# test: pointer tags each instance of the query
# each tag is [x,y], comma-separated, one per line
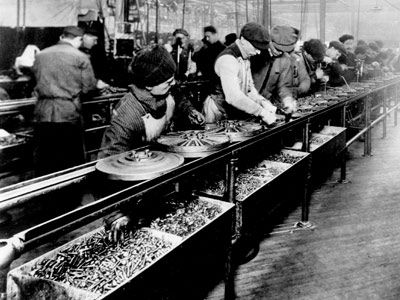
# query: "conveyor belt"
[109,201]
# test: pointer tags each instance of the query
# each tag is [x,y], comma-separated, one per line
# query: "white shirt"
[237,84]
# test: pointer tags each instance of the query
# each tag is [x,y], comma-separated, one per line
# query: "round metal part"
[138,165]
[237,130]
[193,143]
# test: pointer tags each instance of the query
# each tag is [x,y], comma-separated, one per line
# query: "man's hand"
[319,73]
[375,64]
[268,116]
[289,105]
[273,52]
[117,228]
[196,118]
[327,59]
[101,84]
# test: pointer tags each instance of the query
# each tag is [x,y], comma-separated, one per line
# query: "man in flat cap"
[96,55]
[272,69]
[234,95]
[62,74]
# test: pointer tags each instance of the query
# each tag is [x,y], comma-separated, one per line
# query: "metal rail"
[20,193]
[40,233]
[175,175]
[376,121]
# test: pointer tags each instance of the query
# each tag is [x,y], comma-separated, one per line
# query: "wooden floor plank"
[354,250]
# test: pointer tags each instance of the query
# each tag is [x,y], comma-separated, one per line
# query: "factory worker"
[234,95]
[272,73]
[333,68]
[63,74]
[96,54]
[312,55]
[146,110]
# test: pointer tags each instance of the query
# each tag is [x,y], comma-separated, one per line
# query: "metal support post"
[343,165]
[384,107]
[306,137]
[306,195]
[231,168]
[366,111]
[229,279]
[230,195]
[367,140]
[304,223]
[396,101]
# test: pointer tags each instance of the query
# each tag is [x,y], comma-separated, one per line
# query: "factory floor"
[353,252]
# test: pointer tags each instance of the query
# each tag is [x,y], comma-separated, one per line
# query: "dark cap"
[361,50]
[91,31]
[373,46]
[346,37]
[180,30]
[284,38]
[152,66]
[256,34]
[73,30]
[315,48]
[338,46]
[230,38]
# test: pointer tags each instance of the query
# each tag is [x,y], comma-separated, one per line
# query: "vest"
[217,93]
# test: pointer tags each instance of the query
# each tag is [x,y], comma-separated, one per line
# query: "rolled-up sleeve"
[227,68]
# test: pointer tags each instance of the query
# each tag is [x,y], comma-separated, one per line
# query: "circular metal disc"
[237,130]
[193,143]
[138,165]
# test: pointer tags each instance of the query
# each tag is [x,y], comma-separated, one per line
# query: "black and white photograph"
[199,149]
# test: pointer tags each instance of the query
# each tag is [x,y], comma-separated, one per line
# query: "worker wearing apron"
[145,112]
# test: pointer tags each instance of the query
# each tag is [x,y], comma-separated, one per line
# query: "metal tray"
[138,165]
[289,168]
[334,140]
[265,200]
[21,285]
[193,143]
[237,130]
[323,155]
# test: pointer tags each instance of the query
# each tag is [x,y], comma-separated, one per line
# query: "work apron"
[154,127]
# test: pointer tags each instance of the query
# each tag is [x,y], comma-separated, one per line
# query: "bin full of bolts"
[325,146]
[205,225]
[265,188]
[15,149]
[92,267]
[260,187]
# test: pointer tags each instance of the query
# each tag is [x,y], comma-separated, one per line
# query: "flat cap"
[91,31]
[338,46]
[284,38]
[73,30]
[256,34]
